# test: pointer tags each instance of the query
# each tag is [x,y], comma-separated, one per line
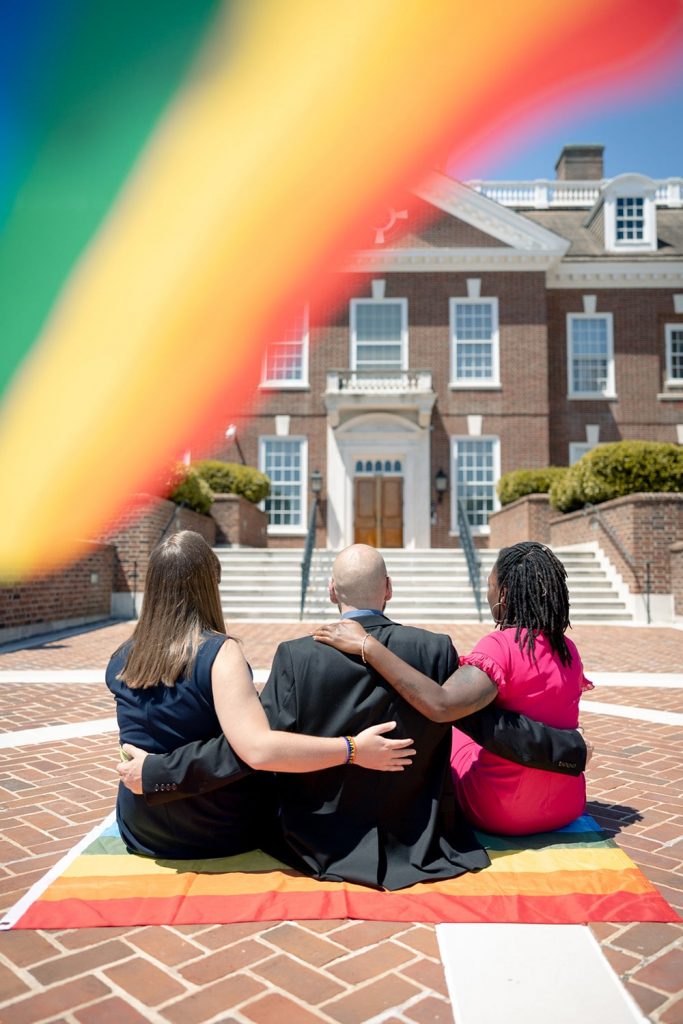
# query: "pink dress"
[497,795]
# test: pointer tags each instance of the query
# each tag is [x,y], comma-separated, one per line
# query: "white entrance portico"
[391,445]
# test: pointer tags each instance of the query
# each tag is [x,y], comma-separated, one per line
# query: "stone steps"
[429,586]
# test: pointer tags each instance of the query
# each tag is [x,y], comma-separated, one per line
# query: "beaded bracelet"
[362,648]
[352,749]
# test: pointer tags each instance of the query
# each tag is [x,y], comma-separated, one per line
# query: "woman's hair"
[534,582]
[181,601]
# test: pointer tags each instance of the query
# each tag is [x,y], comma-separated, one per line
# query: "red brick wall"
[517,412]
[639,316]
[646,525]
[528,518]
[139,530]
[64,595]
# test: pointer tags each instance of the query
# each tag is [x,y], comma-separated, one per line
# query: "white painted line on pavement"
[642,714]
[51,675]
[646,680]
[531,974]
[50,733]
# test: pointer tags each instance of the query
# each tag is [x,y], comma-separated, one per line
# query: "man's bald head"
[359,578]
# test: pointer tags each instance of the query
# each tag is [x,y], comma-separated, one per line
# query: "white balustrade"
[543,194]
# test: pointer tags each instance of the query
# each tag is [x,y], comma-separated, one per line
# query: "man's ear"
[332,593]
[389,590]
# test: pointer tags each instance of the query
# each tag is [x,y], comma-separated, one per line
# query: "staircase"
[429,585]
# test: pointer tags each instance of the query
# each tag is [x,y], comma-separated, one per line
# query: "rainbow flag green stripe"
[572,876]
[93,99]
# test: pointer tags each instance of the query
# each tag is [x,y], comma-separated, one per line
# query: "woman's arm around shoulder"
[463,693]
[246,728]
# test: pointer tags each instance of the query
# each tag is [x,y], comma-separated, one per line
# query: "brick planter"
[74,596]
[137,532]
[239,521]
[528,518]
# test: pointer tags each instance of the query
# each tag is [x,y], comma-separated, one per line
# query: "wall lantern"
[441,484]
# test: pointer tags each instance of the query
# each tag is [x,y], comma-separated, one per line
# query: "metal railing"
[592,510]
[308,555]
[471,556]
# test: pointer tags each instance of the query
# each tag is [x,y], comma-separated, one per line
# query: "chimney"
[580,163]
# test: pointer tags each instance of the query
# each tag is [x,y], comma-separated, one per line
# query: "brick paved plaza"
[337,971]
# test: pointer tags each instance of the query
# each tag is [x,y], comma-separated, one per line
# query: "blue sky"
[641,132]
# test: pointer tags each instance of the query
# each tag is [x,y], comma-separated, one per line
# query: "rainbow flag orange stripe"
[573,876]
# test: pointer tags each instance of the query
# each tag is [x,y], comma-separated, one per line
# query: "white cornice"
[601,273]
[447,260]
[488,216]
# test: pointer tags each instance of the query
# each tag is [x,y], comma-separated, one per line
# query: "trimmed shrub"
[613,470]
[520,482]
[188,487]
[232,478]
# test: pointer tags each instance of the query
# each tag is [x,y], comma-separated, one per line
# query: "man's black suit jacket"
[388,829]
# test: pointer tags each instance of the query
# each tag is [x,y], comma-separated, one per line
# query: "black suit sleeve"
[204,765]
[526,741]
[278,697]
[193,769]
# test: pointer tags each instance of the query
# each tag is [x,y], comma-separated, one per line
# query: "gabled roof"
[501,240]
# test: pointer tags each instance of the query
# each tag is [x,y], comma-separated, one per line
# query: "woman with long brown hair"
[179,679]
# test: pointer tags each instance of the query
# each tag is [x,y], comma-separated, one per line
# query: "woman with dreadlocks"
[527,664]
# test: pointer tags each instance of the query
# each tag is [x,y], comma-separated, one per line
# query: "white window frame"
[477,531]
[671,381]
[293,384]
[288,530]
[476,382]
[630,186]
[610,389]
[353,306]
[577,449]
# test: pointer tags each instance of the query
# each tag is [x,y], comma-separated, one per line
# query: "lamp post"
[316,482]
[441,484]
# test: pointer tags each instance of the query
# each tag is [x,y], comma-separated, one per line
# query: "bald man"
[383,829]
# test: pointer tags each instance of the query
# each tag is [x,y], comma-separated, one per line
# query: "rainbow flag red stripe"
[573,876]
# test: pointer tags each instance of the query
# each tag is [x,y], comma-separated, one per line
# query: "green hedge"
[189,488]
[613,470]
[519,482]
[231,478]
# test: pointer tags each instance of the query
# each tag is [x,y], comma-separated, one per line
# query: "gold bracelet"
[362,648]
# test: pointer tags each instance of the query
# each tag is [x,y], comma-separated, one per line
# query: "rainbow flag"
[180,175]
[573,876]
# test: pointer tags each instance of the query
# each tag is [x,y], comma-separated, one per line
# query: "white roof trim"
[613,273]
[447,260]
[488,216]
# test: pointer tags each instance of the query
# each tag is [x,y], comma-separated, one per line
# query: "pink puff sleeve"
[491,657]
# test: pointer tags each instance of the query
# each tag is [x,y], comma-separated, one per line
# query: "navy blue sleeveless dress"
[226,821]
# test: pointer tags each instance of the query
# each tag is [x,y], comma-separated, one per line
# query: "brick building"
[498,325]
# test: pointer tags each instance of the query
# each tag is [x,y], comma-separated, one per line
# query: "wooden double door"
[378,511]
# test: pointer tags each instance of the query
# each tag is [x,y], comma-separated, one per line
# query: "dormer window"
[630,214]
[629,219]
